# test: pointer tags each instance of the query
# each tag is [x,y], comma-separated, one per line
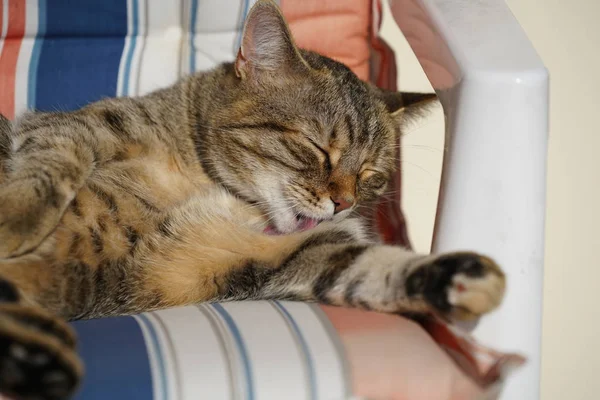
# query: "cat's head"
[298,134]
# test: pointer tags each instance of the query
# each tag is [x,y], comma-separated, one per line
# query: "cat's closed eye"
[325,153]
[373,179]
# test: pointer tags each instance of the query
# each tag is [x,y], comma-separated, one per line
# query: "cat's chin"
[302,224]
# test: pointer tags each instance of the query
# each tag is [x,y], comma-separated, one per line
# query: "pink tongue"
[270,230]
[304,225]
[307,223]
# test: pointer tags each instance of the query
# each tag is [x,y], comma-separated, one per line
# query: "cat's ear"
[267,44]
[407,106]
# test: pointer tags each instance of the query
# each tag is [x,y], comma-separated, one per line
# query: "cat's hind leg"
[37,350]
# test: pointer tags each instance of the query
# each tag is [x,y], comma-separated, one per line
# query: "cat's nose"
[342,203]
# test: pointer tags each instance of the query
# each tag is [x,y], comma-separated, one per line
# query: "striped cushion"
[280,350]
[265,350]
[62,54]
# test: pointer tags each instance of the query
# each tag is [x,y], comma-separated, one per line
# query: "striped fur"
[135,204]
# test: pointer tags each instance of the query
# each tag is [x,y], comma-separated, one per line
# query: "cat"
[237,183]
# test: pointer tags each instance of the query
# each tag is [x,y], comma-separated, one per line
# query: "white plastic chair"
[494,91]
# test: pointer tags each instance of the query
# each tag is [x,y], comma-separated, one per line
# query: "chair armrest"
[494,91]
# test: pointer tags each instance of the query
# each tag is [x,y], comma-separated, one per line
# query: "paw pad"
[34,363]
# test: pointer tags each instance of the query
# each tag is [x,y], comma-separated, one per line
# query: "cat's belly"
[120,203]
[125,202]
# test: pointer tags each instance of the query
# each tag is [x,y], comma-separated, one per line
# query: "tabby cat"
[232,184]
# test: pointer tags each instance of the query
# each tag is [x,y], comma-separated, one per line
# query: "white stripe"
[202,364]
[158,65]
[140,45]
[217,28]
[213,49]
[232,353]
[185,35]
[24,59]
[153,358]
[121,89]
[277,368]
[169,358]
[329,368]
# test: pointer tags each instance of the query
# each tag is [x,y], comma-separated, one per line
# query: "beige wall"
[567,37]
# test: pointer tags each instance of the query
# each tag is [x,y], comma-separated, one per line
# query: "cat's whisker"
[420,147]
[414,127]
[428,173]
[391,192]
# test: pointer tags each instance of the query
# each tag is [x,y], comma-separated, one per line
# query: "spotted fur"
[134,204]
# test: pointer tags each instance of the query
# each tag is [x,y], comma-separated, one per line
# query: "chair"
[494,91]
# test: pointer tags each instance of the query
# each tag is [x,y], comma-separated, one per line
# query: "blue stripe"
[158,351]
[116,360]
[244,15]
[35,55]
[337,345]
[78,59]
[194,16]
[239,341]
[132,42]
[312,377]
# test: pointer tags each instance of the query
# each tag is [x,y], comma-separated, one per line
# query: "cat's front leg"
[333,263]
[330,268]
[45,167]
[460,286]
[47,158]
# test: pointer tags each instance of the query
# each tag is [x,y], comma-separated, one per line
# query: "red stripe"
[10,55]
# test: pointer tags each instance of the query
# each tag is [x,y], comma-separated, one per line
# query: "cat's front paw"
[37,358]
[460,286]
[26,218]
